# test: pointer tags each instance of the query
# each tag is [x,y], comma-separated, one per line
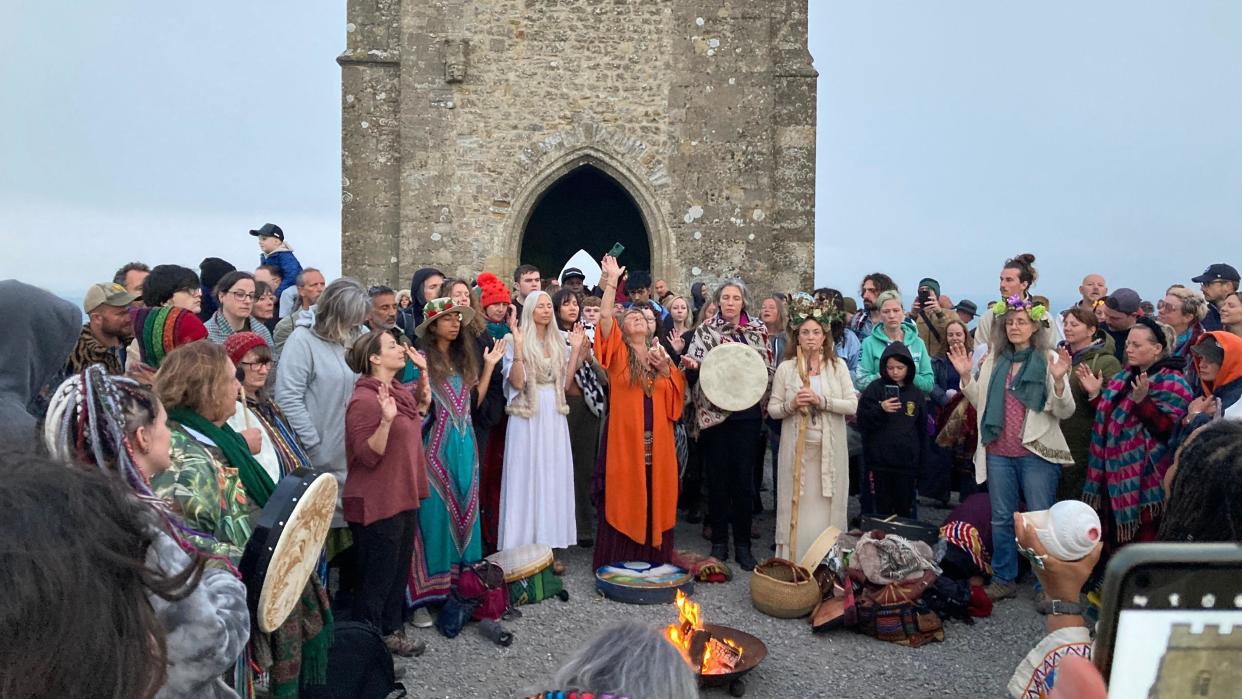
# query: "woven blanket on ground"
[703,568]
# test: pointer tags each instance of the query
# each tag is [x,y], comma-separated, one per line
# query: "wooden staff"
[804,372]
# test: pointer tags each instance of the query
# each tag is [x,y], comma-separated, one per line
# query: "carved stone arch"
[526,196]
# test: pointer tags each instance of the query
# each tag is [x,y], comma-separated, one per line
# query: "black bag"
[359,665]
[911,529]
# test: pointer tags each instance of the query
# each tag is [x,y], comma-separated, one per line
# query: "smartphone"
[891,391]
[1170,619]
[616,250]
[925,295]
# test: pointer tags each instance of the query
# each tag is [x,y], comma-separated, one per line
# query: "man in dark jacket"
[893,420]
[39,332]
[1217,282]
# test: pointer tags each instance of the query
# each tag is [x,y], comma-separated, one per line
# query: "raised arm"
[610,275]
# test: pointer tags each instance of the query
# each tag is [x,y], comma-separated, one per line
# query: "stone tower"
[480,133]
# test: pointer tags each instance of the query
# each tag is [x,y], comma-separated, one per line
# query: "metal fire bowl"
[753,653]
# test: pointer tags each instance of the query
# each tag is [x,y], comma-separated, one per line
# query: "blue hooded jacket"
[290,268]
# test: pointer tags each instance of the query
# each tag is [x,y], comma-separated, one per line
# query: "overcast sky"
[1101,136]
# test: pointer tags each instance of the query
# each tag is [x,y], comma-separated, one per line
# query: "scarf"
[258,484]
[497,330]
[299,648]
[285,442]
[1126,461]
[717,331]
[1030,387]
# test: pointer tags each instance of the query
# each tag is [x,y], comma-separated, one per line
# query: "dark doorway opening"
[584,210]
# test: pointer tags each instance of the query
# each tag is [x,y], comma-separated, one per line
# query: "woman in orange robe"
[638,477]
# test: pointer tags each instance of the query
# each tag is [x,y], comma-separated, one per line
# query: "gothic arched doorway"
[584,210]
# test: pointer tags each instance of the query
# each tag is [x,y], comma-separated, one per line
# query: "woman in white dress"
[812,394]
[537,488]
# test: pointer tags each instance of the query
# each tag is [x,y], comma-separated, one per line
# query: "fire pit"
[719,655]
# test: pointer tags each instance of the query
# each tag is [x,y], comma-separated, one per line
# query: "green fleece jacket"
[873,347]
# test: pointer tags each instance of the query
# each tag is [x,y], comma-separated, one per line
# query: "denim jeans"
[1030,478]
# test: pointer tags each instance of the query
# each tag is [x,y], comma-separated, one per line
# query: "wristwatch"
[1060,608]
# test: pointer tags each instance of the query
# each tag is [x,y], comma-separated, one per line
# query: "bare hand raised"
[492,356]
[1060,368]
[388,404]
[961,359]
[1091,383]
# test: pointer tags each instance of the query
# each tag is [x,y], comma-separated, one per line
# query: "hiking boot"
[720,552]
[745,559]
[999,590]
[400,644]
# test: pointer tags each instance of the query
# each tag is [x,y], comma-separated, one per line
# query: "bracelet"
[1060,608]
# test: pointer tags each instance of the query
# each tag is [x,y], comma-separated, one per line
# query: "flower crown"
[804,307]
[1035,311]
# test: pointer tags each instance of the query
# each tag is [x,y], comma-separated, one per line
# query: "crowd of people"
[467,416]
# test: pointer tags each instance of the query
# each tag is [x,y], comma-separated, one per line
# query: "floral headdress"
[804,307]
[1035,311]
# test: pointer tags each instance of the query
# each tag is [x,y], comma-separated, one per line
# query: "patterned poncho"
[717,331]
[1127,461]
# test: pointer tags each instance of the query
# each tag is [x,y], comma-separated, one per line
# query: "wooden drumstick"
[241,393]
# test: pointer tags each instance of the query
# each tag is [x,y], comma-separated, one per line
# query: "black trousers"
[728,465]
[894,493]
[385,548]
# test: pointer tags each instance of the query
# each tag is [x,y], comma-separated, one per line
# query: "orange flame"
[689,620]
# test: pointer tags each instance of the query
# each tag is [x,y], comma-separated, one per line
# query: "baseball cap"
[967,306]
[572,272]
[1218,271]
[270,230]
[107,293]
[1124,300]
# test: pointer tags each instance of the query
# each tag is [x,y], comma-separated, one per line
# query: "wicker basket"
[788,590]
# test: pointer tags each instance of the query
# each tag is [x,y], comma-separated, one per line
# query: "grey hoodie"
[313,388]
[205,632]
[37,333]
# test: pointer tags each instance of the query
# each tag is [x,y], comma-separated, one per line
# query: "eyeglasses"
[261,364]
[242,296]
[191,290]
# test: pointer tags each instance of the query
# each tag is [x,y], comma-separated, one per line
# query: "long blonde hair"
[534,350]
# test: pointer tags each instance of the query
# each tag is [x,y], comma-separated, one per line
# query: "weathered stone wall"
[457,114]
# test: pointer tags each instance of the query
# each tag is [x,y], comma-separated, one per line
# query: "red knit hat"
[492,290]
[238,344]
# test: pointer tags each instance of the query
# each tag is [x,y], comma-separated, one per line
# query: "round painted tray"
[637,582]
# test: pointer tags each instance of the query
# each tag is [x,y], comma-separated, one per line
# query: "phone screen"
[1179,632]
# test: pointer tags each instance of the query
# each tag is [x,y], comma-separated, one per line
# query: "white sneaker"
[422,619]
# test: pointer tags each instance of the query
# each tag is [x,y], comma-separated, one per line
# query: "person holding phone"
[1203,507]
[1020,397]
[893,420]
[932,319]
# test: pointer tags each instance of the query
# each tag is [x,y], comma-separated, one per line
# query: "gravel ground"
[973,661]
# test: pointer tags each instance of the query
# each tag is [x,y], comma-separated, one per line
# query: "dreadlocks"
[1204,497]
[89,422]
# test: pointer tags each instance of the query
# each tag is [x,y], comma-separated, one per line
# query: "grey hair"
[629,660]
[341,309]
[300,280]
[1043,339]
[737,283]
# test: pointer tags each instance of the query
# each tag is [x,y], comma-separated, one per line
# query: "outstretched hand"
[960,358]
[610,269]
[416,358]
[1091,383]
[388,404]
[493,356]
[1060,368]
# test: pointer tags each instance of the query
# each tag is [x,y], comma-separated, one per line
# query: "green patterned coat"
[206,494]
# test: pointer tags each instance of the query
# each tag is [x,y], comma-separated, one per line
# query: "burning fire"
[714,655]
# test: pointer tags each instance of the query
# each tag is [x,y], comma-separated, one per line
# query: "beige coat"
[837,400]
[1042,431]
